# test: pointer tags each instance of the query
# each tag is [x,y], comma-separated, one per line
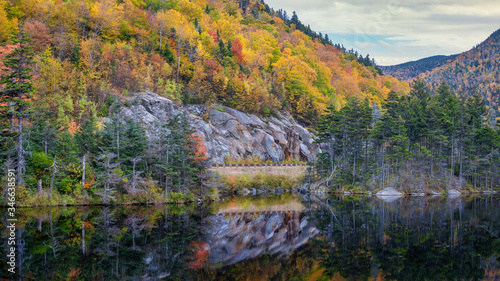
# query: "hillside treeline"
[238,53]
[416,143]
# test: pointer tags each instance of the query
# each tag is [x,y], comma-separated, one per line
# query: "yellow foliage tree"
[7,27]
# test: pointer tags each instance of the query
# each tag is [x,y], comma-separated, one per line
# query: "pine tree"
[112,137]
[416,108]
[326,138]
[295,19]
[419,138]
[176,154]
[86,140]
[133,145]
[44,134]
[15,99]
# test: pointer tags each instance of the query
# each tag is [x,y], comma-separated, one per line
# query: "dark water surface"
[262,238]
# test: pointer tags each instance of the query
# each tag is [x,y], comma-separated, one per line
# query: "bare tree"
[109,177]
[138,183]
[55,170]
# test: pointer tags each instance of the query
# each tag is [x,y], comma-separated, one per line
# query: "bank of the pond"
[256,183]
[26,198]
[389,191]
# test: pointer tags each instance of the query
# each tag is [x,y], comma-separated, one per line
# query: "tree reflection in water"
[418,239]
[267,239]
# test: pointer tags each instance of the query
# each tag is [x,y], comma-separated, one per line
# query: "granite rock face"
[228,131]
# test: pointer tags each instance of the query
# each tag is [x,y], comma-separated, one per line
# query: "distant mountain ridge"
[474,71]
[410,70]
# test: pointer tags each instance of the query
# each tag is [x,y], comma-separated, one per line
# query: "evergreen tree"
[295,19]
[416,111]
[175,163]
[134,145]
[44,134]
[86,141]
[344,135]
[418,140]
[112,137]
[15,99]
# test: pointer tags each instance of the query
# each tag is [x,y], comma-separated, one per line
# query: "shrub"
[266,111]
[67,184]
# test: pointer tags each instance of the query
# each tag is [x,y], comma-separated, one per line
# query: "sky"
[398,31]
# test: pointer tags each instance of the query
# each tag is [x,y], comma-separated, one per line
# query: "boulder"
[245,119]
[453,193]
[389,195]
[304,151]
[389,192]
[304,135]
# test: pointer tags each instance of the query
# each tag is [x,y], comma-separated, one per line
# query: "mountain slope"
[410,70]
[241,54]
[474,71]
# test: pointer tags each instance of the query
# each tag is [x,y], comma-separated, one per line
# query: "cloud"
[408,29]
[366,45]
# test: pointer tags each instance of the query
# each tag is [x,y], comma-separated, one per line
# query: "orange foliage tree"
[199,256]
[198,147]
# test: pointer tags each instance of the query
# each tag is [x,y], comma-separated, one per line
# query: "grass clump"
[259,181]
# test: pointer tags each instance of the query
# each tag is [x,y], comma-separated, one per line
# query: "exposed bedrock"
[228,132]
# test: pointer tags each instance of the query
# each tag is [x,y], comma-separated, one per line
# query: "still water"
[287,237]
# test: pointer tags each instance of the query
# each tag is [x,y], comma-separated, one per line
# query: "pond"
[287,237]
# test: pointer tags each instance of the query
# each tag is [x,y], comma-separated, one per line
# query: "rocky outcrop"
[244,237]
[389,192]
[228,132]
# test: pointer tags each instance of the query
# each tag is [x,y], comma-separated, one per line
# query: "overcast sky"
[397,31]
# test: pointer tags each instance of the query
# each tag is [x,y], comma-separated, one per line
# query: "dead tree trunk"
[83,172]
[54,171]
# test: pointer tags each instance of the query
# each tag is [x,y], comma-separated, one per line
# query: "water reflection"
[266,238]
[420,239]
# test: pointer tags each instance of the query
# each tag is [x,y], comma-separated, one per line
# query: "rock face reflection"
[239,237]
[262,238]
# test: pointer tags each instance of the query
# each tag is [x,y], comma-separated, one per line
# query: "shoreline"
[107,205]
[338,193]
[423,194]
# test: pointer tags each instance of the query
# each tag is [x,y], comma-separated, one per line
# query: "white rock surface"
[228,131]
[389,192]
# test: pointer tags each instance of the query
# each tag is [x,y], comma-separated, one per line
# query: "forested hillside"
[237,53]
[409,70]
[422,143]
[69,67]
[474,71]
